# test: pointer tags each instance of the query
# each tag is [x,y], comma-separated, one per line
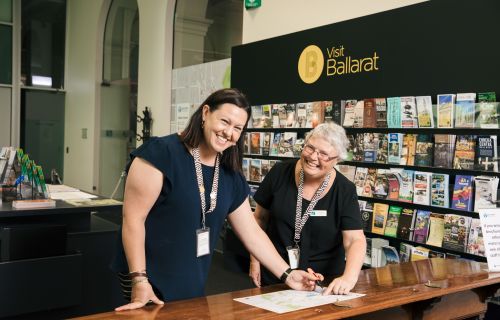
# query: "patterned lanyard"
[201,186]
[300,222]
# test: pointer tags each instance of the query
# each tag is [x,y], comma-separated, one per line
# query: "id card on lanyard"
[203,234]
[300,220]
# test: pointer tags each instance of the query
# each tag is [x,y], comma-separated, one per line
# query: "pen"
[318,282]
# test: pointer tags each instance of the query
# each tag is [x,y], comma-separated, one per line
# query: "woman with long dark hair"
[180,188]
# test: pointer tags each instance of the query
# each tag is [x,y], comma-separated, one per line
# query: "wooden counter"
[392,292]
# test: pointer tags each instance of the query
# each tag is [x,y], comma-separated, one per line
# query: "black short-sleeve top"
[321,238]
[171,224]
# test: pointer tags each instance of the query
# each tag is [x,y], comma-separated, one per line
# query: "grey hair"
[334,134]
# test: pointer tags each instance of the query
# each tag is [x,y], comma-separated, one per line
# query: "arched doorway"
[118,99]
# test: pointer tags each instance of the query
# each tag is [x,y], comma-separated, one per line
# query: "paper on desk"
[71,195]
[60,188]
[292,300]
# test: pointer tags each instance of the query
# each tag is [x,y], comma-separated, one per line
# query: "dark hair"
[193,134]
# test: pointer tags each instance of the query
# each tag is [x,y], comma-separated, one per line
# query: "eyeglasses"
[323,156]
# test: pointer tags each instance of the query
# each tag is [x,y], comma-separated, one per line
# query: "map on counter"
[292,300]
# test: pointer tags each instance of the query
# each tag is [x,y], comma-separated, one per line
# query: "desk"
[66,285]
[392,292]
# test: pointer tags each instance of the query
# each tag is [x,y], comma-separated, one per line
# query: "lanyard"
[201,186]
[301,221]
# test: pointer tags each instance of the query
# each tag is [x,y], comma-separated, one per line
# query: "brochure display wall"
[419,58]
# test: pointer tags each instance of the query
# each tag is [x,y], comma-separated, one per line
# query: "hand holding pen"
[319,280]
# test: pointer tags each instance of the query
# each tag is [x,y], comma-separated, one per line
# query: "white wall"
[279,17]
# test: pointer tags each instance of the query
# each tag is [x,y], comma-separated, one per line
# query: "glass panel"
[42,44]
[119,95]
[5,116]
[205,30]
[121,41]
[6,54]
[6,10]
[42,128]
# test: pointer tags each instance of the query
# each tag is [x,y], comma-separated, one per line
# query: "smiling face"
[223,126]
[314,166]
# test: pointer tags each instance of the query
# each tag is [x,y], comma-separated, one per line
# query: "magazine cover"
[444,149]
[485,192]
[391,225]
[381,188]
[424,150]
[391,255]
[465,110]
[406,192]
[394,180]
[488,110]
[464,152]
[445,106]
[291,116]
[395,148]
[255,165]
[359,110]
[267,121]
[369,114]
[405,225]
[369,186]
[486,153]
[408,149]
[475,242]
[359,179]
[456,230]
[408,113]
[366,209]
[422,187]
[440,190]
[317,114]
[421,226]
[301,114]
[382,150]
[462,193]
[349,113]
[436,230]
[370,146]
[257,117]
[381,108]
[424,112]
[394,112]
[380,211]
[337,110]
[245,167]
[255,143]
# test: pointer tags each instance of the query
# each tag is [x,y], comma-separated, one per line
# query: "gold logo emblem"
[311,63]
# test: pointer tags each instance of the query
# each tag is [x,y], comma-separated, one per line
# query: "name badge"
[202,242]
[318,213]
[293,256]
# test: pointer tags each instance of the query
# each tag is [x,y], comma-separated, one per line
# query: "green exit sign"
[251,4]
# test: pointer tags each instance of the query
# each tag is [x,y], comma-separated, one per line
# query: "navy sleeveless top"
[171,225]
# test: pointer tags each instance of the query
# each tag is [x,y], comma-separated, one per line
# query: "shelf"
[457,131]
[418,244]
[432,209]
[425,169]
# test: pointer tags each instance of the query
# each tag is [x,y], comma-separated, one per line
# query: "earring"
[202,124]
